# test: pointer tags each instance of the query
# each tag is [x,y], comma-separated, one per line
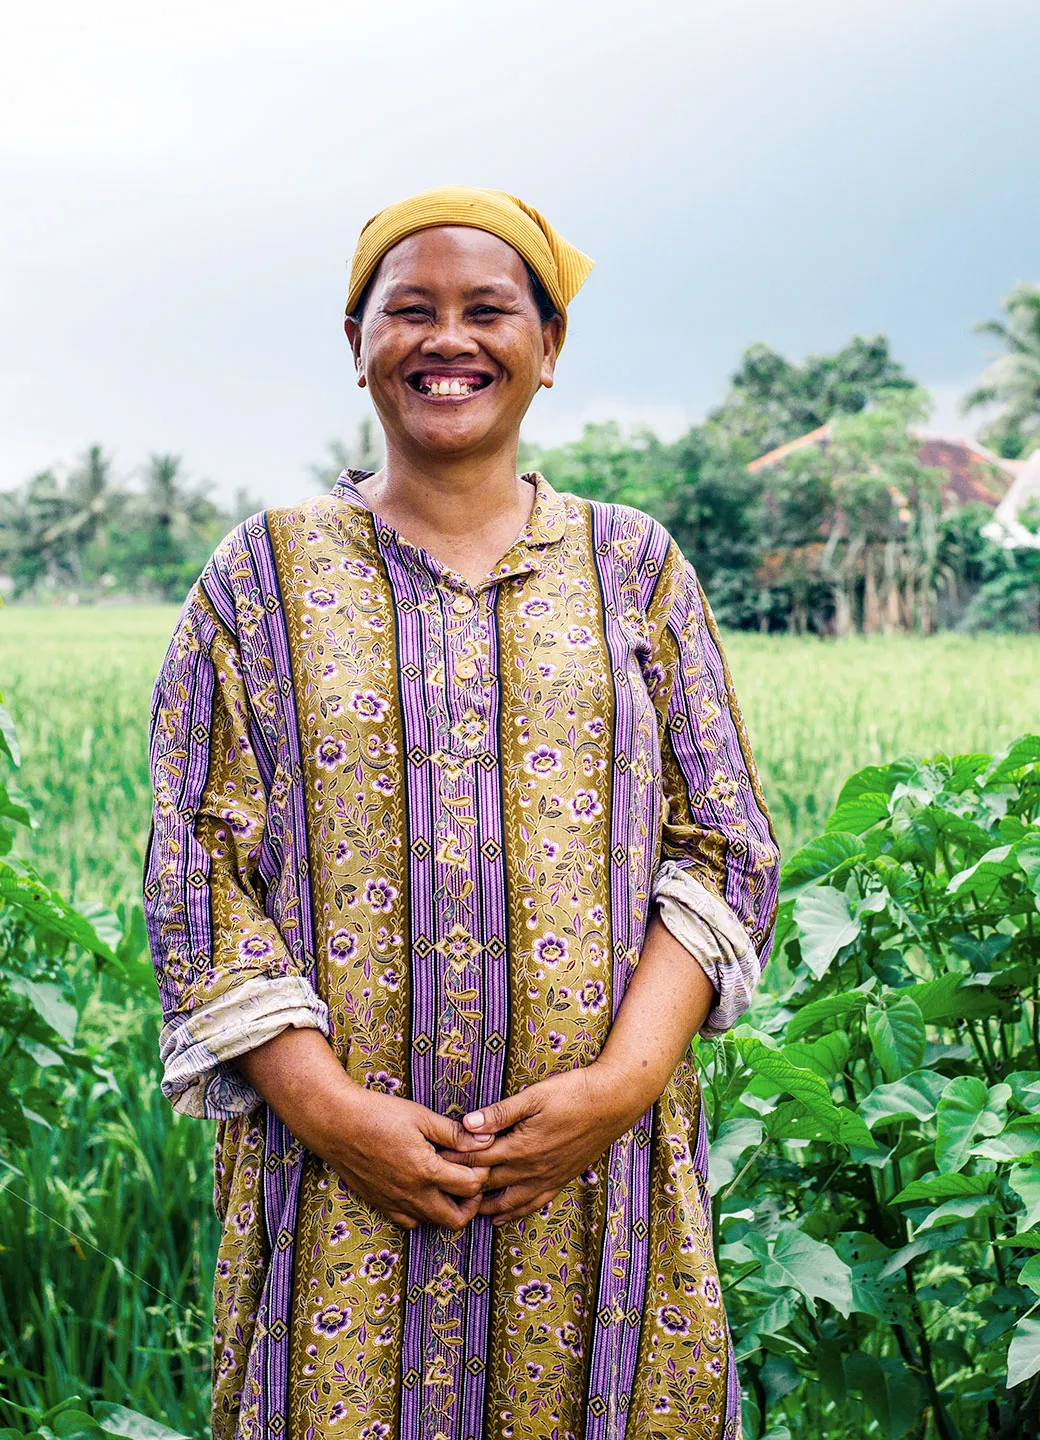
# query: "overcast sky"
[182,184]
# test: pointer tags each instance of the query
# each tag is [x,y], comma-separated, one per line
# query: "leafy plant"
[43,1057]
[875,1126]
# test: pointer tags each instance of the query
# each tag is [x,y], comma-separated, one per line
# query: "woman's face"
[451,345]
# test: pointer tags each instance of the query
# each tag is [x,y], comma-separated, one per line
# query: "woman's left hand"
[554,1130]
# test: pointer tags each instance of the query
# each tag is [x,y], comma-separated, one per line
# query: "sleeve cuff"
[706,926]
[196,1048]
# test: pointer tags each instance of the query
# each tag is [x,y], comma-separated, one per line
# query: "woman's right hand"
[385,1148]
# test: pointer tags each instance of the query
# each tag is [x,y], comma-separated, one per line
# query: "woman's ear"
[552,334]
[352,330]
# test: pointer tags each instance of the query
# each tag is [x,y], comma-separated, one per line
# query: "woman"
[457,843]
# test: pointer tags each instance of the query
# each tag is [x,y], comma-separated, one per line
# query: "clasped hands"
[505,1161]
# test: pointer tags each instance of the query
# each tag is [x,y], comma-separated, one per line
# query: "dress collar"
[546,523]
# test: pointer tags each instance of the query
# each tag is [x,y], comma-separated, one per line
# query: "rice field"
[106,1234]
[78,684]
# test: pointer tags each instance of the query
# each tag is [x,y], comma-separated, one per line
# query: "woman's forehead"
[451,254]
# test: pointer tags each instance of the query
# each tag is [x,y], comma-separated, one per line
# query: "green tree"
[607,464]
[716,516]
[366,453]
[772,400]
[1012,381]
[46,526]
[860,514]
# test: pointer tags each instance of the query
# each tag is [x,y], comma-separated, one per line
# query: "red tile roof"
[974,474]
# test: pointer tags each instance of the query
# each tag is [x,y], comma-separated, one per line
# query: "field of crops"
[122,1189]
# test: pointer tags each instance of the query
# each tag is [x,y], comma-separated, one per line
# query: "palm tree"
[172,509]
[88,501]
[366,453]
[1012,381]
[46,525]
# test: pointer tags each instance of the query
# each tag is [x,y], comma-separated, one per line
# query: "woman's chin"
[455,436]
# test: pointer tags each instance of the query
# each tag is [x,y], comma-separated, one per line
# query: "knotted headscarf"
[560,267]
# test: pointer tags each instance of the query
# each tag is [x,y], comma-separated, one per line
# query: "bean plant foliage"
[43,940]
[875,1126]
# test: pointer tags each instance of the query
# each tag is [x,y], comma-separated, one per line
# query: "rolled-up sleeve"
[718,873]
[227,980]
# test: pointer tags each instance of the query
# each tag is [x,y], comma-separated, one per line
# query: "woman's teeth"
[446,387]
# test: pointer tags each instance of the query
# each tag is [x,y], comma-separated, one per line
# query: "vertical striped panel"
[248,572]
[622,570]
[448,1290]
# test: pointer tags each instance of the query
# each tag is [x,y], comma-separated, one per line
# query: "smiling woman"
[457,842]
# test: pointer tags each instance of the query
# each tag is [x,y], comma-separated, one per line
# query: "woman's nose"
[449,338]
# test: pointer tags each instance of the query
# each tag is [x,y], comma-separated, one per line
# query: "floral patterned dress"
[429,818]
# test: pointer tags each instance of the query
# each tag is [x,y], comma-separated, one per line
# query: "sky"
[183,184]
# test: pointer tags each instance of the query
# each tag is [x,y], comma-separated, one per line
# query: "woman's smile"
[447,386]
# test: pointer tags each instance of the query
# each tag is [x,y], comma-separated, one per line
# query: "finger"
[472,1159]
[503,1113]
[441,1130]
[522,1204]
[466,1144]
[441,1209]
[502,1202]
[455,1179]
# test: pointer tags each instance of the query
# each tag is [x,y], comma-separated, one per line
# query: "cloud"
[184,183]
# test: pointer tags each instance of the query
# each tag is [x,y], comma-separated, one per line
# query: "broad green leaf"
[943,1187]
[951,1212]
[105,923]
[819,860]
[784,927]
[13,807]
[76,1425]
[46,908]
[825,1013]
[1030,1241]
[959,1118]
[1028,857]
[117,1420]
[827,1055]
[872,780]
[798,1261]
[9,737]
[866,1256]
[1020,1138]
[49,1002]
[859,813]
[935,998]
[914,1097]
[1029,1275]
[919,1245]
[1025,1181]
[735,1137]
[1023,752]
[803,1085]
[983,878]
[830,1370]
[1024,1351]
[965,769]
[825,926]
[897,1035]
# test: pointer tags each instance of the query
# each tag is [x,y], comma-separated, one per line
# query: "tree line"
[850,535]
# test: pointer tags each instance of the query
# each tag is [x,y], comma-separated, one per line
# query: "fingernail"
[484,1137]
[475,1121]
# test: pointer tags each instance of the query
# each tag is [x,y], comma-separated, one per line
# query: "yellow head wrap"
[560,267]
